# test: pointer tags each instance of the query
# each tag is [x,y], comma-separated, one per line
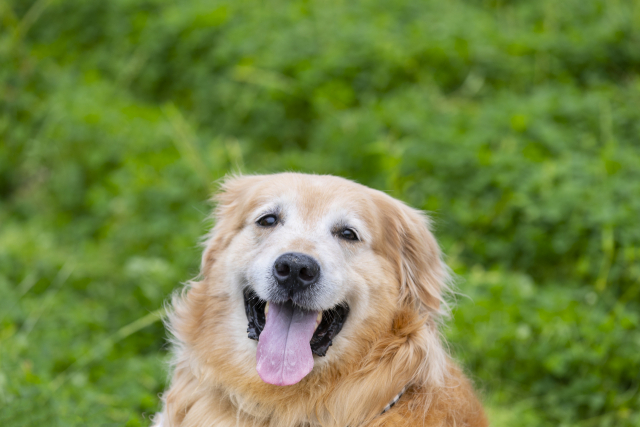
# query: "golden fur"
[395,284]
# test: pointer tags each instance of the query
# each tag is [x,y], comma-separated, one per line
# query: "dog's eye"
[348,234]
[268,220]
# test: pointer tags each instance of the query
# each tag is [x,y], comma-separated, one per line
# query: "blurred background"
[516,124]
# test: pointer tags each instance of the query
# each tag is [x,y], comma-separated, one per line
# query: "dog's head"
[331,262]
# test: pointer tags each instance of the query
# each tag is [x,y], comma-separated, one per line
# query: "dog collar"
[394,400]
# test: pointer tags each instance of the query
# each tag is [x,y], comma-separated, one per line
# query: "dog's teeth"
[266,308]
[318,319]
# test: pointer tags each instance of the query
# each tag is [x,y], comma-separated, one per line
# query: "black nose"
[295,271]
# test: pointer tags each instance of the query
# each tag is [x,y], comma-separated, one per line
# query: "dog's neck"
[158,419]
[254,412]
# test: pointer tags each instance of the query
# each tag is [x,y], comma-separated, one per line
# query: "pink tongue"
[284,353]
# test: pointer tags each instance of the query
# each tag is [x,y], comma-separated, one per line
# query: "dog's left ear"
[423,275]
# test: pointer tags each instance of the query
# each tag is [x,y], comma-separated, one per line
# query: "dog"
[318,304]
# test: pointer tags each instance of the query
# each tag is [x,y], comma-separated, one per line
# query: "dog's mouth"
[288,335]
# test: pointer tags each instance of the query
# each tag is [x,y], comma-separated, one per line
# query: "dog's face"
[308,262]
[303,245]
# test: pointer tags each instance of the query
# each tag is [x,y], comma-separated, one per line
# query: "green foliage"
[564,353]
[515,123]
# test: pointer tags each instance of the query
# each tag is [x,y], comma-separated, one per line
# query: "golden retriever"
[318,304]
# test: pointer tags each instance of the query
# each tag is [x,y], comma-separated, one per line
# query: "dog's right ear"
[230,201]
